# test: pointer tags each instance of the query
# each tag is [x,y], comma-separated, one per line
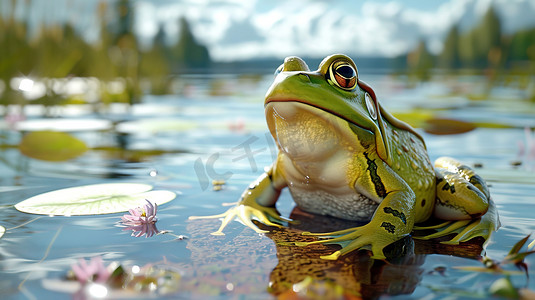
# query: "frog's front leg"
[392,220]
[257,201]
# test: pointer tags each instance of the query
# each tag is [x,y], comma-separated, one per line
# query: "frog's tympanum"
[341,154]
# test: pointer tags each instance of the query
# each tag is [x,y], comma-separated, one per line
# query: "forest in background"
[484,47]
[59,51]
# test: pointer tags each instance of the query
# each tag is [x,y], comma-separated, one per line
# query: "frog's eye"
[370,105]
[343,75]
[279,69]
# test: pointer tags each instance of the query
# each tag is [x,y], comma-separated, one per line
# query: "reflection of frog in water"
[356,273]
[341,154]
[250,263]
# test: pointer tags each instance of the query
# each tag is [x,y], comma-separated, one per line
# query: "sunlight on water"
[208,149]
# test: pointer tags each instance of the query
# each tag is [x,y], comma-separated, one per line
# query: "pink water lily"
[94,271]
[141,220]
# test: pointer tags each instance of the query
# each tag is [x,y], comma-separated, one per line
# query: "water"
[206,134]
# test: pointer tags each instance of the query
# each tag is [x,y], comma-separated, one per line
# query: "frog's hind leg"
[465,230]
[464,201]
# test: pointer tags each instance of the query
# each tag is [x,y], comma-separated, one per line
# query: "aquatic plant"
[503,287]
[93,280]
[94,199]
[141,220]
[94,271]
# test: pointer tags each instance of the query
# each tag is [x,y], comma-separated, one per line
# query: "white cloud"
[236,30]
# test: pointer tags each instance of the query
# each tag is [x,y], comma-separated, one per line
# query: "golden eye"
[343,75]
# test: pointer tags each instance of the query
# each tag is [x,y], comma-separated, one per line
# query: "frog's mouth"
[276,101]
[304,131]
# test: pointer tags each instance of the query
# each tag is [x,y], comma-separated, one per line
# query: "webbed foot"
[249,207]
[465,229]
[353,239]
[246,213]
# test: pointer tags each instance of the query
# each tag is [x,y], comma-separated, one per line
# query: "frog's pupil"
[345,71]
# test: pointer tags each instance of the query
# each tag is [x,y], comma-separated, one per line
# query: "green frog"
[341,154]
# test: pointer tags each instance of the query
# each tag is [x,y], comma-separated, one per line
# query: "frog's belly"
[349,206]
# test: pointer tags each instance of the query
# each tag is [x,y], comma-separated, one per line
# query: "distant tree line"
[58,51]
[482,47]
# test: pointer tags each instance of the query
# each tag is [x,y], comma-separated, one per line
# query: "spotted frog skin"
[341,154]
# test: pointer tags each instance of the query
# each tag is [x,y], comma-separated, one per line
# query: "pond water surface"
[216,130]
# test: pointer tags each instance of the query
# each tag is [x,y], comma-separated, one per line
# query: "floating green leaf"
[51,146]
[442,126]
[93,199]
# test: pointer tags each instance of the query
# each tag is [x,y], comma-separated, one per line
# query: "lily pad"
[51,146]
[442,126]
[93,199]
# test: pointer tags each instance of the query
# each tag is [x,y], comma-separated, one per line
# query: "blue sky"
[244,29]
[235,30]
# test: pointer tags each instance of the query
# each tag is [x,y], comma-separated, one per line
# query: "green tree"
[520,45]
[467,49]
[125,50]
[188,52]
[449,57]
[154,65]
[97,57]
[482,46]
[16,56]
[489,38]
[420,61]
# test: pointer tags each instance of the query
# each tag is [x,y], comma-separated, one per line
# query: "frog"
[341,154]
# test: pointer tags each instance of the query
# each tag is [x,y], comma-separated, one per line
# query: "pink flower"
[95,271]
[142,220]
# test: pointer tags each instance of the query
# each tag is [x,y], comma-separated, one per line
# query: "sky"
[240,30]
[246,29]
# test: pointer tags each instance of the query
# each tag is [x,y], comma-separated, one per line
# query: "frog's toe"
[274,214]
[333,233]
[351,239]
[478,228]
[464,230]
[361,242]
[376,254]
[244,214]
[446,229]
[333,256]
[437,226]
